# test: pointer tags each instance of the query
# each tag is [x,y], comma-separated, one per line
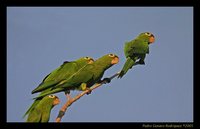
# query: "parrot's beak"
[56,101]
[151,39]
[115,60]
[91,61]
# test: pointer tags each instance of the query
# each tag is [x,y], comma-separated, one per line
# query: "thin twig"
[72,100]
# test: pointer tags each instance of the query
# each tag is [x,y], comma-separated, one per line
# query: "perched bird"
[63,72]
[136,50]
[87,76]
[42,111]
[57,76]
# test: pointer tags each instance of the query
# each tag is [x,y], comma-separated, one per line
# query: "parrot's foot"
[121,74]
[69,98]
[67,92]
[89,91]
[141,62]
[106,80]
[83,86]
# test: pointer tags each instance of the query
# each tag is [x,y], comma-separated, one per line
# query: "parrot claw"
[68,97]
[106,80]
[67,92]
[141,62]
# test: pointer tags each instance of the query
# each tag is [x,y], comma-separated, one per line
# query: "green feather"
[135,50]
[45,85]
[32,106]
[128,64]
[57,77]
[53,91]
[89,75]
[41,112]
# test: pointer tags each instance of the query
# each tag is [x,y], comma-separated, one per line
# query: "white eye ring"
[147,33]
[111,55]
[87,58]
[51,96]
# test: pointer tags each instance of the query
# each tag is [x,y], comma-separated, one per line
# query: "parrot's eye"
[87,58]
[111,55]
[51,96]
[147,33]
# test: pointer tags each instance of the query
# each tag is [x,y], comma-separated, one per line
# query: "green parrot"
[136,50]
[41,112]
[87,76]
[57,76]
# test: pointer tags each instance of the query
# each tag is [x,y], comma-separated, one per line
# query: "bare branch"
[72,100]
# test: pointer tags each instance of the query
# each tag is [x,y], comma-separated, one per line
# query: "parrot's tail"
[32,106]
[49,92]
[44,86]
[59,88]
[128,65]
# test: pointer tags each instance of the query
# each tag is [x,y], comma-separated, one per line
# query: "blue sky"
[39,39]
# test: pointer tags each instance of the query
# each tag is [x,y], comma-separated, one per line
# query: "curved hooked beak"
[90,61]
[115,60]
[56,101]
[151,39]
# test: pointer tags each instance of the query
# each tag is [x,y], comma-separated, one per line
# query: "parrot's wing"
[136,47]
[81,76]
[32,107]
[45,116]
[45,85]
[34,116]
[84,74]
[53,91]
[57,76]
[140,47]
[53,74]
[58,88]
[127,49]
